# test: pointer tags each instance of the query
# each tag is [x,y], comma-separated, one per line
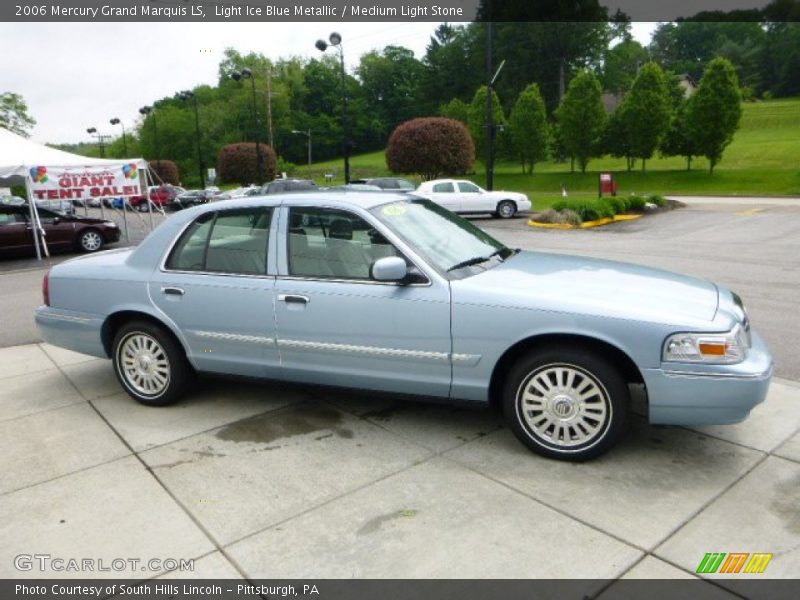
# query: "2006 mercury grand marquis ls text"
[394,293]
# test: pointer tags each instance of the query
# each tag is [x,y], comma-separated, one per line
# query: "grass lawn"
[762,160]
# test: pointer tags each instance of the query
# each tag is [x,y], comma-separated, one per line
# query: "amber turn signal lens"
[708,349]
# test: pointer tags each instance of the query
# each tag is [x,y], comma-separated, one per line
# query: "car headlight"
[110,224]
[711,348]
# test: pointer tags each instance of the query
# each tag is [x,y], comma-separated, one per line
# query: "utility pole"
[269,106]
[489,111]
[490,126]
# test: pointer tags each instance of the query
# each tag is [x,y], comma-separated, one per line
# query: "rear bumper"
[75,331]
[706,395]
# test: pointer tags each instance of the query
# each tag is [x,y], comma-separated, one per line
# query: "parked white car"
[461,196]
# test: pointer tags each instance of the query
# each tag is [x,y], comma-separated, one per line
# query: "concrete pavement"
[265,481]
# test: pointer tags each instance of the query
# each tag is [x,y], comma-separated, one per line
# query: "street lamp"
[335,40]
[148,110]
[100,140]
[116,121]
[187,95]
[308,135]
[248,74]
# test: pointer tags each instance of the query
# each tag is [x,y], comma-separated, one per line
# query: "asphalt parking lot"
[265,481]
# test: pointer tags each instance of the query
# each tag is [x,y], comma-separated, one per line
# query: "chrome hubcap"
[91,240]
[506,210]
[144,364]
[564,405]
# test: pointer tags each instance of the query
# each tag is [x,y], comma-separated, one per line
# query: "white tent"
[19,155]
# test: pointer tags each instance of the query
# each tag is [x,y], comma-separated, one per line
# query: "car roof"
[345,199]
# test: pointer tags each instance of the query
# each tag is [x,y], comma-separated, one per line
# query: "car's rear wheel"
[506,209]
[569,403]
[150,364]
[90,240]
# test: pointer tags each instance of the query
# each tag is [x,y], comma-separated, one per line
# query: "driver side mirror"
[389,268]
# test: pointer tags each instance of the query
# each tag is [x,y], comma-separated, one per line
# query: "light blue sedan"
[394,293]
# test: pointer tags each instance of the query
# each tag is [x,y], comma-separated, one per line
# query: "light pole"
[148,110]
[308,135]
[248,74]
[187,95]
[335,40]
[116,121]
[100,140]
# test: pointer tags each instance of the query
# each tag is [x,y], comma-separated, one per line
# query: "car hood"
[583,285]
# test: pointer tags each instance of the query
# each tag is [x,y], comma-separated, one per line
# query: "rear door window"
[233,242]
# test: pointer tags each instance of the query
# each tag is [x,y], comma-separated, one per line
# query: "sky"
[79,75]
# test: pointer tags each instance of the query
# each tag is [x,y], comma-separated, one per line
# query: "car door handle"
[172,291]
[293,299]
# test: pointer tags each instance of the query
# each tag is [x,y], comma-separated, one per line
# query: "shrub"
[619,203]
[238,163]
[285,166]
[636,202]
[565,216]
[166,171]
[605,209]
[657,200]
[588,210]
[430,147]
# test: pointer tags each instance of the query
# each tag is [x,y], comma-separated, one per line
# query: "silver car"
[394,293]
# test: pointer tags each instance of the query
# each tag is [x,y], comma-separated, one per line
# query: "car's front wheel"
[569,403]
[91,240]
[149,364]
[506,209]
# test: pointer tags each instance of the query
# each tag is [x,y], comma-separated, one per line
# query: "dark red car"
[160,196]
[62,232]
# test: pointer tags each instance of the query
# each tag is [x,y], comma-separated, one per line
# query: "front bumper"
[683,394]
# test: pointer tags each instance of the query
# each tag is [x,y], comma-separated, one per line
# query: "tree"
[430,147]
[166,171]
[621,64]
[455,109]
[617,139]
[452,50]
[677,141]
[238,163]
[529,130]
[644,115]
[714,111]
[582,118]
[476,119]
[390,84]
[14,114]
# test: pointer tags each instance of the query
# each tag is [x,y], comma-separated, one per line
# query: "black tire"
[142,207]
[90,240]
[580,418]
[506,209]
[149,364]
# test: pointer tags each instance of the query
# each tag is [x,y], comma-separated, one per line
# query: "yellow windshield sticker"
[394,210]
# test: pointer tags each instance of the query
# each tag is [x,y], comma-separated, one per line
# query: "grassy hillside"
[762,160]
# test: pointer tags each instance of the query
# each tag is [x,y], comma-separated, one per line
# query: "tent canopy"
[18,155]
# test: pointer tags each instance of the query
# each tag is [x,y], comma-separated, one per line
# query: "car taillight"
[46,289]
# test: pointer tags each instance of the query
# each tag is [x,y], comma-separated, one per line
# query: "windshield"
[446,240]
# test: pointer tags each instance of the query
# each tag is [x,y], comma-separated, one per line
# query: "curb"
[586,224]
